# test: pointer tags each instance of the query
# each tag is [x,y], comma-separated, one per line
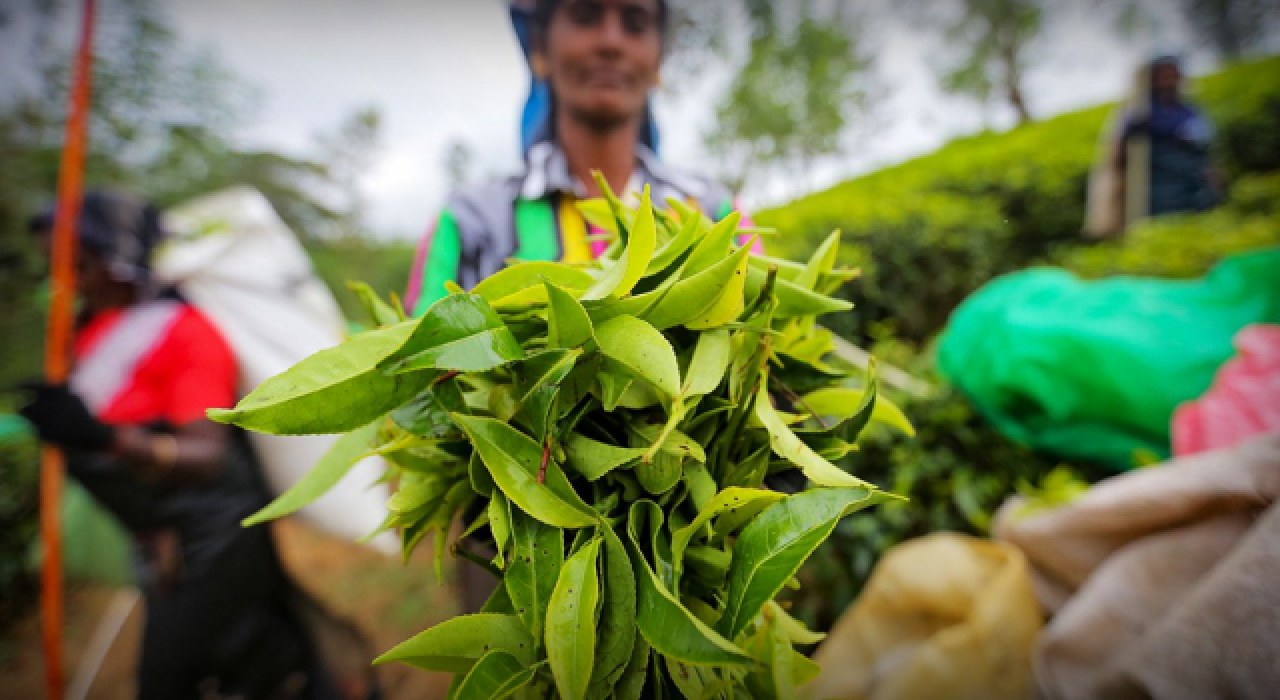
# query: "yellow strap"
[573,233]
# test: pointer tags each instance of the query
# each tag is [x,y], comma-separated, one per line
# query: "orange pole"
[57,361]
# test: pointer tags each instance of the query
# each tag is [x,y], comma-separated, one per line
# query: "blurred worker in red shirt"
[132,423]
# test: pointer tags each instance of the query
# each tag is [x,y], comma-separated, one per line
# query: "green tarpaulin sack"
[1093,370]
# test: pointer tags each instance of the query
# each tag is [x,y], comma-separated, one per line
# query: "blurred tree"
[1232,27]
[348,152]
[459,161]
[806,76]
[990,41]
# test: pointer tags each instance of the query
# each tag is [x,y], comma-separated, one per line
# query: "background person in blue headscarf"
[1177,138]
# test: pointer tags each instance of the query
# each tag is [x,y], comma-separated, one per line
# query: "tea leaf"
[537,554]
[594,459]
[458,333]
[380,312]
[667,625]
[327,472]
[710,362]
[771,549]
[619,280]
[302,400]
[786,445]
[693,298]
[674,248]
[642,351]
[631,685]
[729,500]
[820,263]
[571,634]
[731,302]
[514,461]
[617,634]
[529,275]
[660,474]
[495,676]
[456,645]
[500,525]
[842,403]
[568,325]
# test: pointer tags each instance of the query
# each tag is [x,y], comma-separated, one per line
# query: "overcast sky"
[441,70]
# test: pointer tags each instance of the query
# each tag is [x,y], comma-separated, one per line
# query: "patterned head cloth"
[121,228]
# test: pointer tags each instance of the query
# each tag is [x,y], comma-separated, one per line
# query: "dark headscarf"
[121,228]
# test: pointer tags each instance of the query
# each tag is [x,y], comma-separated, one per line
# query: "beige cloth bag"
[1165,581]
[943,616]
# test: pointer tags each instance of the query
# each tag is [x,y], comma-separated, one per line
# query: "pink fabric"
[600,245]
[1244,400]
[414,289]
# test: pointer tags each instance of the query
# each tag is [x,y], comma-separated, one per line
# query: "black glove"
[60,417]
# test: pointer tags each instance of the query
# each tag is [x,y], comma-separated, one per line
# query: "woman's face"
[602,58]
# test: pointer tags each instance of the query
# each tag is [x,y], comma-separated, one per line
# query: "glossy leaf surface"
[571,617]
[455,645]
[326,474]
[301,401]
[495,676]
[514,461]
[773,546]
[642,351]
[667,625]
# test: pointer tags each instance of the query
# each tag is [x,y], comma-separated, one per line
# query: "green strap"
[442,263]
[537,235]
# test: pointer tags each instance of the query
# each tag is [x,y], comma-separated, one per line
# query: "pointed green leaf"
[841,404]
[514,460]
[730,500]
[427,415]
[455,645]
[667,625]
[324,475]
[537,553]
[709,364]
[820,263]
[674,442]
[631,685]
[731,302]
[715,246]
[793,629]
[500,525]
[333,391]
[526,275]
[461,332]
[786,445]
[568,325]
[660,474]
[571,622]
[674,248]
[617,634]
[380,312]
[641,350]
[771,549]
[594,459]
[691,299]
[495,676]
[619,280]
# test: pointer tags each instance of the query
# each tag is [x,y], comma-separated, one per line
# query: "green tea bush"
[934,229]
[19,470]
[1186,246]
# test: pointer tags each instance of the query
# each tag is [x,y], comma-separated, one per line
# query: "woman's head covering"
[536,124]
[121,228]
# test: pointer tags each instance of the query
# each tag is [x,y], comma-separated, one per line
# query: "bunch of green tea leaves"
[608,431]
